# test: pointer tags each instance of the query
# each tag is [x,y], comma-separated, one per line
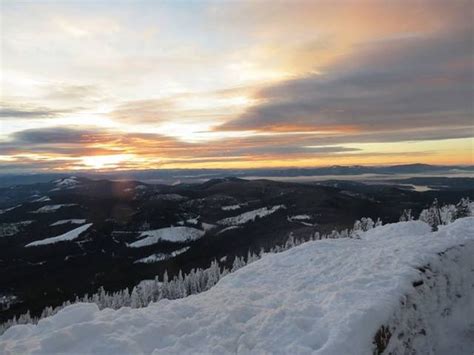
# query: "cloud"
[248,81]
[73,92]
[210,106]
[60,148]
[399,84]
[26,111]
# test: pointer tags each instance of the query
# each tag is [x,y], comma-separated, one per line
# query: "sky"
[112,85]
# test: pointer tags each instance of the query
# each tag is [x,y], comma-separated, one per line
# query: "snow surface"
[71,235]
[53,208]
[170,234]
[323,297]
[64,221]
[162,256]
[249,216]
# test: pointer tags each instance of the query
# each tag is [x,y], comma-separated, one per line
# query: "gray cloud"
[405,83]
[26,111]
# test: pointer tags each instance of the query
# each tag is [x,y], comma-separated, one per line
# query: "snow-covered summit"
[67,182]
[322,297]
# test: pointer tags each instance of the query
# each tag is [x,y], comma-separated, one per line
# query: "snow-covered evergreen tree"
[463,208]
[432,215]
[406,216]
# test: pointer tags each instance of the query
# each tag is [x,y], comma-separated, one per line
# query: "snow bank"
[395,230]
[324,297]
[249,216]
[71,235]
[170,234]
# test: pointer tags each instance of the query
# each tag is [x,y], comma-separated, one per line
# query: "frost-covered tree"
[463,208]
[367,223]
[406,216]
[432,215]
[447,214]
[378,223]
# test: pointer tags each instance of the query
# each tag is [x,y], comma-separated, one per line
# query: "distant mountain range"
[174,176]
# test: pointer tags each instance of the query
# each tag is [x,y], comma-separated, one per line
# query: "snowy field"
[65,221]
[68,236]
[162,256]
[249,216]
[323,297]
[53,208]
[169,234]
[66,183]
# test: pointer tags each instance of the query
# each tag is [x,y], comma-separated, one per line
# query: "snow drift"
[344,296]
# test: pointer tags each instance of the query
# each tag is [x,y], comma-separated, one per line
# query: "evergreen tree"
[463,208]
[406,216]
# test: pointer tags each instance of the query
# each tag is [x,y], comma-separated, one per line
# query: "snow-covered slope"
[249,216]
[170,234]
[65,221]
[322,297]
[53,208]
[162,256]
[71,235]
[67,183]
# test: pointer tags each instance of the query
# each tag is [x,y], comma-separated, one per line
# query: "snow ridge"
[323,297]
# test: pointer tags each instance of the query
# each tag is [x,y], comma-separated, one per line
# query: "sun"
[101,162]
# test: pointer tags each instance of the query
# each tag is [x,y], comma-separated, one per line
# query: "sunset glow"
[150,85]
